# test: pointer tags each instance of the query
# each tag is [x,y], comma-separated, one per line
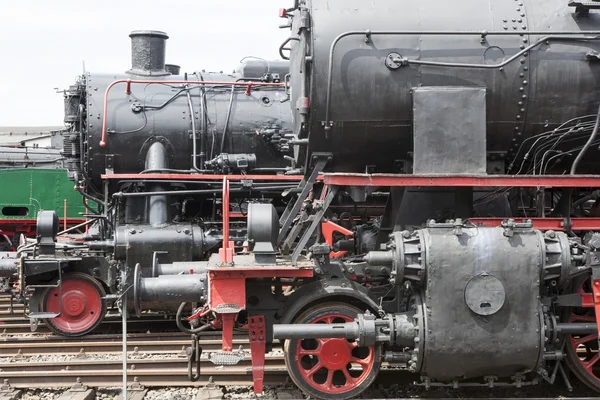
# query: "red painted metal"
[226,252]
[129,82]
[204,177]
[557,224]
[596,295]
[589,342]
[228,325]
[328,228]
[227,285]
[81,305]
[333,355]
[398,180]
[257,334]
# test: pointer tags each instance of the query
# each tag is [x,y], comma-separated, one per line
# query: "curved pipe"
[129,82]
[569,35]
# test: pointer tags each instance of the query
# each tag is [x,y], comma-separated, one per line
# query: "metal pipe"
[192,118]
[157,203]
[199,191]
[227,119]
[8,267]
[124,344]
[581,328]
[587,144]
[368,34]
[349,330]
[129,82]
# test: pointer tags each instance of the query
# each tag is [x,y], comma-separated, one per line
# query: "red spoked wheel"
[83,305]
[331,368]
[582,350]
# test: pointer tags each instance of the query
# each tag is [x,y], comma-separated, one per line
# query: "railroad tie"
[10,394]
[88,394]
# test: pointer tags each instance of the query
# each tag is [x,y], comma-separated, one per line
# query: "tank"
[357,65]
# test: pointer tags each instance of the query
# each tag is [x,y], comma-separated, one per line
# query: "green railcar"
[26,191]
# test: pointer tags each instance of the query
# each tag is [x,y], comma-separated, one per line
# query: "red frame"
[398,180]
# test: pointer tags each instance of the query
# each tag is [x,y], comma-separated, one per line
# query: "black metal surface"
[148,49]
[370,104]
[454,140]
[263,228]
[511,337]
[47,229]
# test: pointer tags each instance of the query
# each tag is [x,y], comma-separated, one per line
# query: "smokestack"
[148,50]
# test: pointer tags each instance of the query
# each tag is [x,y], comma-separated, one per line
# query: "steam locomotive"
[477,122]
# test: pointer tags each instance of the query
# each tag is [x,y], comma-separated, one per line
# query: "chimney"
[148,50]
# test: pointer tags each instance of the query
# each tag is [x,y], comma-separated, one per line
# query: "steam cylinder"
[371,110]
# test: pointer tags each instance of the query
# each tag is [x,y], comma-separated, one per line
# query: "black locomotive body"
[476,122]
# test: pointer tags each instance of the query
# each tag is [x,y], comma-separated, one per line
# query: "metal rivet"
[521,75]
[522,14]
[521,89]
[524,96]
[524,27]
[525,82]
[516,128]
[519,20]
[518,117]
[514,20]
[519,133]
[504,20]
[522,47]
[505,27]
[514,27]
[520,103]
[518,8]
[522,61]
[525,68]
[525,40]
[522,110]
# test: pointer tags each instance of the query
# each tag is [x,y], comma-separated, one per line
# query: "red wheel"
[83,307]
[582,350]
[331,368]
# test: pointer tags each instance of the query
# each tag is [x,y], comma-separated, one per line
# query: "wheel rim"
[81,305]
[585,348]
[333,366]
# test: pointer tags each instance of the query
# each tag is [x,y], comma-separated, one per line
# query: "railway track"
[156,358]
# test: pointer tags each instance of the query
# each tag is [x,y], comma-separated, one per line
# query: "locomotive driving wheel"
[83,305]
[583,356]
[331,369]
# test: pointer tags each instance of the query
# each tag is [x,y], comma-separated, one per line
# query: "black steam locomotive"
[477,121]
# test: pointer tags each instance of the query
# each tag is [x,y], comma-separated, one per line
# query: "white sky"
[43,43]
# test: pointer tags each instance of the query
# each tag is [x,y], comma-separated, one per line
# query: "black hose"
[183,328]
[587,144]
[227,119]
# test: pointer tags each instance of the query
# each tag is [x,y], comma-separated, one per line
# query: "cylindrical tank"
[370,120]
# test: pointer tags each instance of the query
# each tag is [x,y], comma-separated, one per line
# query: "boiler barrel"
[370,107]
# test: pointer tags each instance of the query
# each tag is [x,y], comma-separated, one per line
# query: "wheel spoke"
[585,339]
[329,382]
[314,369]
[349,379]
[352,345]
[303,352]
[362,361]
[586,318]
[589,364]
